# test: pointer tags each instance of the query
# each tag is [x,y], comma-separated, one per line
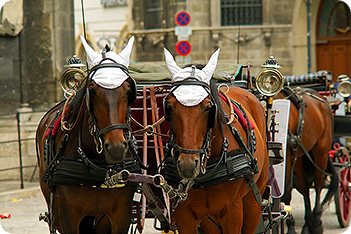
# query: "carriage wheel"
[342,197]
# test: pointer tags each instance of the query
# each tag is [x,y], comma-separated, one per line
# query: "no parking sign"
[182,18]
[183,48]
[182,31]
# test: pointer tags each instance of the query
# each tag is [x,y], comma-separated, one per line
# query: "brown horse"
[83,139]
[204,146]
[310,130]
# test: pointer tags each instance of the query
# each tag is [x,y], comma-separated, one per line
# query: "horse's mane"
[77,101]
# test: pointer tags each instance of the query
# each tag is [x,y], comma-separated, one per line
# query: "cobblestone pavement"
[25,212]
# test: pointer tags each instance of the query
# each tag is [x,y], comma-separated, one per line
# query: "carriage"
[150,146]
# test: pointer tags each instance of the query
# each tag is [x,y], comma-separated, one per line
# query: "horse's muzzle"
[188,167]
[115,153]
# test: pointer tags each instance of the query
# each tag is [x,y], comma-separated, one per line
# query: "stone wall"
[31,62]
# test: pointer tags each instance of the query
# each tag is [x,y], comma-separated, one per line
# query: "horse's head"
[110,91]
[192,112]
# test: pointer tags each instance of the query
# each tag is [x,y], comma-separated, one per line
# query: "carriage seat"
[319,81]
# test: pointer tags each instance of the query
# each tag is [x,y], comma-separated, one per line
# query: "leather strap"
[112,127]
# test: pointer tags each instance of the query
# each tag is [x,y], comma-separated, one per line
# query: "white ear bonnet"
[109,78]
[190,95]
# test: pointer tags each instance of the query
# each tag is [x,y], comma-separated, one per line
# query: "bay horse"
[83,139]
[212,158]
[307,161]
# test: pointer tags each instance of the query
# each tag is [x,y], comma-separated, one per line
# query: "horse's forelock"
[198,66]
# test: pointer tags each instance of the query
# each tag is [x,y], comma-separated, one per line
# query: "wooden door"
[335,56]
[334,38]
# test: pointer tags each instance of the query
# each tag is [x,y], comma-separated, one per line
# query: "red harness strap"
[56,124]
[241,118]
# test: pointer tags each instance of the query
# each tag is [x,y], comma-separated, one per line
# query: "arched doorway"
[334,38]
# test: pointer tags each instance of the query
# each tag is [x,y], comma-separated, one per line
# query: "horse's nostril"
[125,144]
[196,162]
[106,145]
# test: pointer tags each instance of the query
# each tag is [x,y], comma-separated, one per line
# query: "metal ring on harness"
[150,130]
[223,84]
[99,146]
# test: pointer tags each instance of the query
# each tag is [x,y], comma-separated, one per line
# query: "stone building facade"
[248,32]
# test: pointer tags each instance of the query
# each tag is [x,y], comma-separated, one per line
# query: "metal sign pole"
[308,9]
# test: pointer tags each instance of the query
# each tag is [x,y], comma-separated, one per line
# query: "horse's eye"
[207,108]
[168,106]
[92,90]
[129,92]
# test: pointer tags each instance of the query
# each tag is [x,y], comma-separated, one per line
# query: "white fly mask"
[190,95]
[109,77]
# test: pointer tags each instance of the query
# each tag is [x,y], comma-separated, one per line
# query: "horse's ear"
[172,66]
[91,53]
[210,68]
[125,53]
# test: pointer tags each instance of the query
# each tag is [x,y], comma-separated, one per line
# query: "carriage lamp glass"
[269,82]
[71,80]
[344,88]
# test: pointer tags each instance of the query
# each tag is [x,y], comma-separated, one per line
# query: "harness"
[81,171]
[235,164]
[294,141]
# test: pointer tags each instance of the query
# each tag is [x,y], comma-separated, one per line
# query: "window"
[153,14]
[334,19]
[241,12]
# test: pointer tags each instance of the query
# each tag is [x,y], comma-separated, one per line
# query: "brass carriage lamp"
[73,77]
[344,87]
[269,82]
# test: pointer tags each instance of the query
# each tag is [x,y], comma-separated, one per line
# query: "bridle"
[205,151]
[93,127]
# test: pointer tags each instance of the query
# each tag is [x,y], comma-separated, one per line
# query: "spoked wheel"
[342,197]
